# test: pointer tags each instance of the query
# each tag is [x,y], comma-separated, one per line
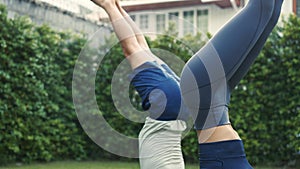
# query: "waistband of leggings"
[222,149]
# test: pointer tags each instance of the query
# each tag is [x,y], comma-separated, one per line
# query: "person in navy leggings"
[210,76]
[203,90]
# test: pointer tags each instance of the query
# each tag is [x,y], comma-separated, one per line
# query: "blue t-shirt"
[158,86]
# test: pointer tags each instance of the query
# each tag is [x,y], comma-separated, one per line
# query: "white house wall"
[57,18]
[216,16]
[287,7]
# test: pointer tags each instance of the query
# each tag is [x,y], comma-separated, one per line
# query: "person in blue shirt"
[202,92]
[158,87]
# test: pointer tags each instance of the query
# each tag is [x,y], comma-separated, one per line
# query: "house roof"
[131,6]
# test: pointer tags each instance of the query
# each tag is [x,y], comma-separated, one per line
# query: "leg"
[160,144]
[206,88]
[245,66]
[132,50]
[235,40]
[138,34]
[209,71]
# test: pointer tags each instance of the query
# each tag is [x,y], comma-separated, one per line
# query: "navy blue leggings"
[210,75]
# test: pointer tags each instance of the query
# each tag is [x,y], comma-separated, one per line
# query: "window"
[188,25]
[144,21]
[173,18]
[160,23]
[202,20]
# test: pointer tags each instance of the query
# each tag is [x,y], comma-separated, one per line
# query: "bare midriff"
[219,133]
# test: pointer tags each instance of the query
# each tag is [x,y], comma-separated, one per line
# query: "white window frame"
[189,22]
[144,21]
[173,16]
[202,23]
[160,22]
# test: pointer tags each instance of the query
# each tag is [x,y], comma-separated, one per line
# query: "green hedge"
[37,117]
[266,105]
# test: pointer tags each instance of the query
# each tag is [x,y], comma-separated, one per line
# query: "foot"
[104,3]
[117,3]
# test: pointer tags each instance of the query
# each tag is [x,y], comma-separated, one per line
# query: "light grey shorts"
[160,144]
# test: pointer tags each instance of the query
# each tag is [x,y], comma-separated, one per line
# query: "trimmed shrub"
[37,116]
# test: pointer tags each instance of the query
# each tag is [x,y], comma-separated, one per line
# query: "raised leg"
[209,76]
[133,51]
[238,37]
[250,58]
[138,34]
[204,80]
